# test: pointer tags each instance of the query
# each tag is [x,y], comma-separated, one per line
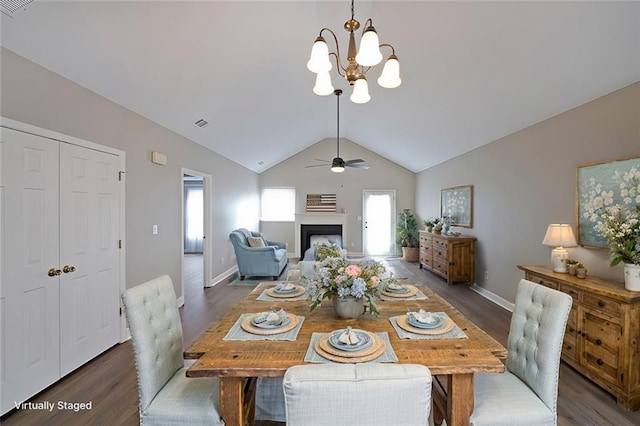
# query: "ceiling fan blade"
[357,166]
[317,165]
[357,160]
[326,161]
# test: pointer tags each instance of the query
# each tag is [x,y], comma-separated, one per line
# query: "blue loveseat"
[266,260]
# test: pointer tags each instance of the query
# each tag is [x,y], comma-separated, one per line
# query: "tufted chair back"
[535,338]
[156,331]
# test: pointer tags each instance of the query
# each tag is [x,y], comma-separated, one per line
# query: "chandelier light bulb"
[390,78]
[323,85]
[369,53]
[319,60]
[360,93]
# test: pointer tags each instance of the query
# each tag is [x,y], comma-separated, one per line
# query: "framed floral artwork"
[600,185]
[457,204]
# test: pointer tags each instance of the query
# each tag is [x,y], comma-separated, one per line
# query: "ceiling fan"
[338,164]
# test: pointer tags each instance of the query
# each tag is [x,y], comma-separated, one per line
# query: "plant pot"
[348,307]
[632,277]
[410,254]
[581,272]
[571,269]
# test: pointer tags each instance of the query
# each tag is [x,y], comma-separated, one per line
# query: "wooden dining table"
[237,364]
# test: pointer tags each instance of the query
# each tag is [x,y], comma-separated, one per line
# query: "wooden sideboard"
[602,338]
[453,258]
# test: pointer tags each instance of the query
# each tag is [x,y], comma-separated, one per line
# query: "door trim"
[60,137]
[207,193]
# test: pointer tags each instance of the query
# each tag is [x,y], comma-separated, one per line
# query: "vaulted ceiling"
[472,72]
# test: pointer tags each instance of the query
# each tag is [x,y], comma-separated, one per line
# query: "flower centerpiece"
[335,278]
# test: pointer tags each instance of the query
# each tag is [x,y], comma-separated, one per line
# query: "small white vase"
[632,277]
[348,307]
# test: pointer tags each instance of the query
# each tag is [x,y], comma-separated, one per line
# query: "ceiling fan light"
[319,60]
[360,93]
[323,85]
[369,52]
[390,77]
[337,169]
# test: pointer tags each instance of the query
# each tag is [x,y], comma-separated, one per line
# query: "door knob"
[68,268]
[53,272]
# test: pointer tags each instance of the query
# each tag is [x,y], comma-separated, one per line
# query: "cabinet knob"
[598,342]
[599,361]
[540,281]
[601,303]
[571,329]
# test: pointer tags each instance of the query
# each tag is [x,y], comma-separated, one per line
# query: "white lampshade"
[360,93]
[559,236]
[319,60]
[390,77]
[323,85]
[369,53]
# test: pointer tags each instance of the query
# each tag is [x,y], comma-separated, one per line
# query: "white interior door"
[89,229]
[29,303]
[378,222]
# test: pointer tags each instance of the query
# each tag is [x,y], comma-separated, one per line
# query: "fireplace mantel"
[320,219]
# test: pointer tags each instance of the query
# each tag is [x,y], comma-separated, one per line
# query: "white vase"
[348,307]
[632,277]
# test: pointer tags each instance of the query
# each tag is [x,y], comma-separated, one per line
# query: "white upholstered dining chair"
[166,395]
[357,394]
[527,393]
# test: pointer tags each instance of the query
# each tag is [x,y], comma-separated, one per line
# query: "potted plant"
[581,270]
[571,266]
[428,224]
[407,235]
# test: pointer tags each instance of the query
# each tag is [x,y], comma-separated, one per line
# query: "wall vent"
[11,7]
[202,123]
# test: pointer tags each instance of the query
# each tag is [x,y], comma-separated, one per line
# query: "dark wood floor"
[109,381]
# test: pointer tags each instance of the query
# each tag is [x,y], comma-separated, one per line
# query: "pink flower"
[374,281]
[339,279]
[353,270]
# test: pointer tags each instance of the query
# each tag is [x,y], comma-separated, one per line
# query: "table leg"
[459,399]
[231,395]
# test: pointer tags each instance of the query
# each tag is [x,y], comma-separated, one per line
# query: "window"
[278,204]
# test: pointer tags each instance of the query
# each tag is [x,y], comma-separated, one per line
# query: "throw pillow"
[255,242]
[324,251]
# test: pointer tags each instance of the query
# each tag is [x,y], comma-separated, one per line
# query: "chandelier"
[358,63]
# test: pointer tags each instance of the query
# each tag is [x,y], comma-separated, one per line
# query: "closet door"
[89,232]
[29,296]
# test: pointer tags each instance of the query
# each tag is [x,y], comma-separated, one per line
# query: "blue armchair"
[265,258]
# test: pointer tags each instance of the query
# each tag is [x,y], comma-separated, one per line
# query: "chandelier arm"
[366,25]
[336,54]
[339,67]
[393,51]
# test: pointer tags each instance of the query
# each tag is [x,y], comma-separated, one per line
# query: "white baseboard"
[180,301]
[223,276]
[493,297]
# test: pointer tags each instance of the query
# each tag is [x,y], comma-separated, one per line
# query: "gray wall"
[526,180]
[34,95]
[348,186]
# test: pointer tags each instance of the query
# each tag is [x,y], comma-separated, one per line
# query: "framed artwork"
[603,184]
[457,203]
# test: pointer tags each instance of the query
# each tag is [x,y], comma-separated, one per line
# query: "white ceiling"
[472,72]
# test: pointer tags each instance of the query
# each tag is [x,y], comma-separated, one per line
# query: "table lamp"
[559,235]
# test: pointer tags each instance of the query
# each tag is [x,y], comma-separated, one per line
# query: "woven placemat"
[413,290]
[250,328]
[324,349]
[300,291]
[446,327]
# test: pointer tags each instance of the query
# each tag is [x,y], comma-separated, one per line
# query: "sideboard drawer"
[571,291]
[603,304]
[541,280]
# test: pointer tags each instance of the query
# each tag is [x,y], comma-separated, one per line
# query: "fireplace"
[338,222]
[307,230]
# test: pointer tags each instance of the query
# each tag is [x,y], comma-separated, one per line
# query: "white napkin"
[284,287]
[395,286]
[276,317]
[424,317]
[349,337]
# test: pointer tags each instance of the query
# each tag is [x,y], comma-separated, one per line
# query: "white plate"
[415,323]
[364,342]
[264,324]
